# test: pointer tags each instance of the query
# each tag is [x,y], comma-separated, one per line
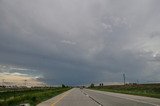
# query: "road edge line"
[59,99]
[140,101]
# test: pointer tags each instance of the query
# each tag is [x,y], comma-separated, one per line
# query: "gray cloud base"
[79,42]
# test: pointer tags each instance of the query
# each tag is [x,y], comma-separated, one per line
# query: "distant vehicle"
[81,87]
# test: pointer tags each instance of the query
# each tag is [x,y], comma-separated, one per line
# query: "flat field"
[149,90]
[13,97]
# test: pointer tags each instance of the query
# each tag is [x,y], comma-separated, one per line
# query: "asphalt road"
[85,97]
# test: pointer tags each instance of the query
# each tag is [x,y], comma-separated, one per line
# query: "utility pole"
[2,82]
[25,83]
[137,81]
[124,79]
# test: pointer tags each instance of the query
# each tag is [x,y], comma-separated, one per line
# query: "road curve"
[86,97]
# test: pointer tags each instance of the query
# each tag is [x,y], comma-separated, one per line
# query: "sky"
[77,42]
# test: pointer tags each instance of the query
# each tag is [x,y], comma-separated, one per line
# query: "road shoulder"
[148,100]
[53,100]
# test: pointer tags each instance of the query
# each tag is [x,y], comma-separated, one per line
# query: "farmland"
[13,97]
[149,90]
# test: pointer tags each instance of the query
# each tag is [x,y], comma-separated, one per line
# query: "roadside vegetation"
[149,90]
[33,96]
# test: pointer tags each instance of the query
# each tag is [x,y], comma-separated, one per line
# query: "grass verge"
[149,90]
[13,98]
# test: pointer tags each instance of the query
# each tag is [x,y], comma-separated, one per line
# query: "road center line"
[59,99]
[92,98]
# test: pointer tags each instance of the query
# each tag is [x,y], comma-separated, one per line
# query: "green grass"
[149,90]
[32,96]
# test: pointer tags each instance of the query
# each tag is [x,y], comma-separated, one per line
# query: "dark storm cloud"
[79,42]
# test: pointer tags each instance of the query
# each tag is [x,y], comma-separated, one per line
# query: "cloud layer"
[79,42]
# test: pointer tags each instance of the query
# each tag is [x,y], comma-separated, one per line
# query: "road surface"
[85,97]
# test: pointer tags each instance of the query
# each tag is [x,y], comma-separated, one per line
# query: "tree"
[101,84]
[92,85]
[63,86]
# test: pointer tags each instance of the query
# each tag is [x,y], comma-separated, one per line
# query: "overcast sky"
[81,41]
